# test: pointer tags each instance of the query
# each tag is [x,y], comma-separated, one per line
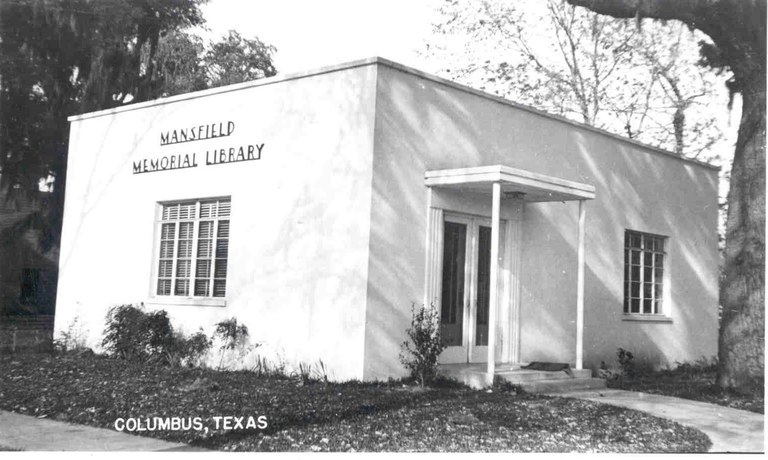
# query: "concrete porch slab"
[533,381]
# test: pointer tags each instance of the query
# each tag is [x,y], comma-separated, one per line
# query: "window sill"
[211,302]
[646,318]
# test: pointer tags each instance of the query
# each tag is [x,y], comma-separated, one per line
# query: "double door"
[465,296]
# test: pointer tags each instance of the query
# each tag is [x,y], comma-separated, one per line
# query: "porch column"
[580,287]
[494,294]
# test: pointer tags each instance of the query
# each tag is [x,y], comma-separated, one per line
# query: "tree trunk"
[742,327]
[738,30]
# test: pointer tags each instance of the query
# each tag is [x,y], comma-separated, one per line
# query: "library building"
[319,208]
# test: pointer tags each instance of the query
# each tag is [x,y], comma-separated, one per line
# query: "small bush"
[232,337]
[160,338]
[133,334]
[125,334]
[420,353]
[626,362]
[71,340]
[187,350]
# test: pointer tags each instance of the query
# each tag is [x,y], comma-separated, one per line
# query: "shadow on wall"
[422,125]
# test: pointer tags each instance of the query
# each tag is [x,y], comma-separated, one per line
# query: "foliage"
[231,333]
[179,65]
[737,30]
[626,361]
[335,417]
[641,82]
[184,64]
[692,380]
[73,339]
[187,350]
[64,57]
[67,57]
[125,334]
[266,368]
[235,59]
[699,368]
[309,373]
[135,335]
[232,337]
[305,373]
[420,353]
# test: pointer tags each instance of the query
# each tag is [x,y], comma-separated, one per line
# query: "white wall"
[327,244]
[422,124]
[299,228]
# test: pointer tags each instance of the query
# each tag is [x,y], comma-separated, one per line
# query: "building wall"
[297,269]
[422,124]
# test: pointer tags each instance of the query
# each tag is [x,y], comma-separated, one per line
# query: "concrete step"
[518,376]
[562,385]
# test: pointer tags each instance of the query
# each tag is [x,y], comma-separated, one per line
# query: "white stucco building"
[317,207]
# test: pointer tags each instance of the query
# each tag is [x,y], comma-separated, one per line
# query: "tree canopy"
[737,29]
[641,82]
[64,57]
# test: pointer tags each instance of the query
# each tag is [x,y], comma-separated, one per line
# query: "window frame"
[190,298]
[659,300]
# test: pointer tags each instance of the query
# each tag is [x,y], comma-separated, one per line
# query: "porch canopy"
[516,183]
[504,181]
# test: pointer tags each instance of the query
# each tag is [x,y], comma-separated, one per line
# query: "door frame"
[468,352]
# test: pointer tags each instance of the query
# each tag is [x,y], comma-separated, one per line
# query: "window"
[643,273]
[194,244]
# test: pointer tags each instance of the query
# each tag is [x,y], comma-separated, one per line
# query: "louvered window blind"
[194,245]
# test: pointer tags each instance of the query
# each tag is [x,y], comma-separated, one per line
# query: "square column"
[580,287]
[494,281]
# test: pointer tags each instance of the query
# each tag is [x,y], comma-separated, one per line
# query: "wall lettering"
[217,156]
[197,133]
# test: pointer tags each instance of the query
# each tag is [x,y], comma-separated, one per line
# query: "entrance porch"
[473,267]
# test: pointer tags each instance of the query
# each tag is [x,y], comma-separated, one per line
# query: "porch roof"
[518,183]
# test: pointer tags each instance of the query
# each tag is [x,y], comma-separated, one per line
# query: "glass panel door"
[483,286]
[454,262]
[466,288]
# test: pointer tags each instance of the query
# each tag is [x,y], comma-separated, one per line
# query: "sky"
[311,33]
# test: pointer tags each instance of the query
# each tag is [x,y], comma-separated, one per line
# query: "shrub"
[187,350]
[133,334]
[232,336]
[159,333]
[626,361]
[71,340]
[420,353]
[125,334]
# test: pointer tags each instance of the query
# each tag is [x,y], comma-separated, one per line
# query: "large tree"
[64,57]
[641,82]
[738,30]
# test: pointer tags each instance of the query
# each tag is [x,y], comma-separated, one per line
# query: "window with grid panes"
[194,244]
[643,273]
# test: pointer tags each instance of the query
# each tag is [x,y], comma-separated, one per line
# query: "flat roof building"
[316,208]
